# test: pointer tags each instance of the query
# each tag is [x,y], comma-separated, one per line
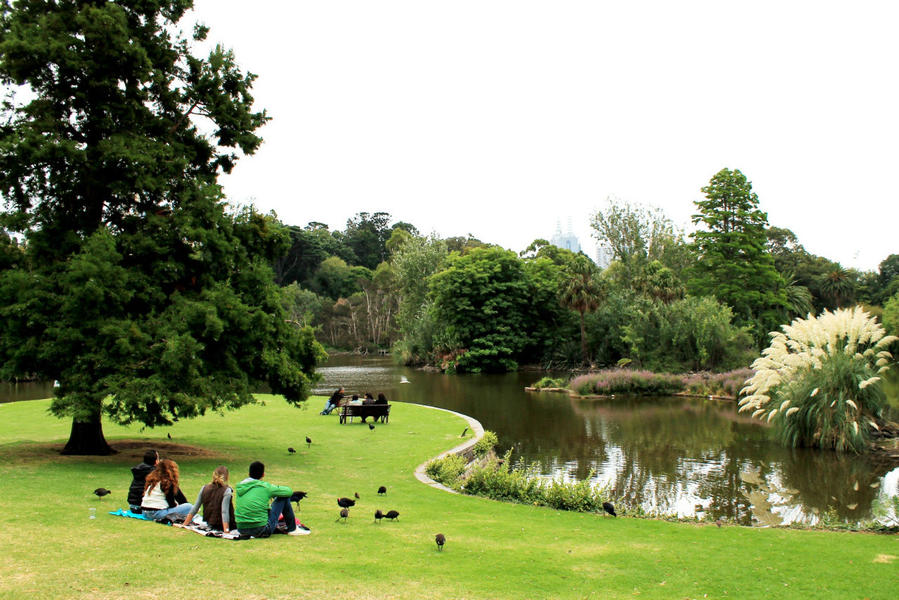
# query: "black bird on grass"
[356,494]
[344,513]
[291,450]
[170,435]
[441,540]
[392,515]
[607,506]
[296,497]
[100,492]
[345,502]
[378,516]
[464,431]
[308,441]
[382,490]
[371,426]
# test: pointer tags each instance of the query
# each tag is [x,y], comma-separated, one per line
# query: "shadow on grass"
[128,452]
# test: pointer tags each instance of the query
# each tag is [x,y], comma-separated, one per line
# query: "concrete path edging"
[475,427]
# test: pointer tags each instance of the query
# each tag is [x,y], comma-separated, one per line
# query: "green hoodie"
[253,495]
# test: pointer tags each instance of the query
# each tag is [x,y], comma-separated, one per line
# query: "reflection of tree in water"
[833,482]
[667,455]
[664,454]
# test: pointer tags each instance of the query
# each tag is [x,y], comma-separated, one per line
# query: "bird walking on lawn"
[100,492]
[345,502]
[441,540]
[296,497]
[392,515]
[291,451]
[170,435]
[378,516]
[308,441]
[371,426]
[464,431]
[344,513]
[607,506]
[356,494]
[382,490]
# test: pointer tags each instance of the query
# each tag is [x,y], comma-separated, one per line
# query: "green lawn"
[50,549]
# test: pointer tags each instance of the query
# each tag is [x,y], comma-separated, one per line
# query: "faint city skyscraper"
[567,240]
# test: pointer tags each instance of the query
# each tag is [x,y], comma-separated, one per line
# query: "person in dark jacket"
[215,501]
[333,401]
[140,472]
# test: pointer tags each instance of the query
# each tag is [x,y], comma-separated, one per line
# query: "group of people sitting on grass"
[336,398]
[155,493]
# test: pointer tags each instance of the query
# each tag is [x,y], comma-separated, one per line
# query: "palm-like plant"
[838,286]
[799,298]
[819,380]
[582,291]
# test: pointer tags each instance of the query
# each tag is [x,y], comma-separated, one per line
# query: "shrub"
[446,470]
[890,317]
[485,444]
[626,381]
[819,380]
[549,382]
[717,384]
[499,481]
[685,335]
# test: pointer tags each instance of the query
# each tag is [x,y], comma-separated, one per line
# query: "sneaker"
[298,531]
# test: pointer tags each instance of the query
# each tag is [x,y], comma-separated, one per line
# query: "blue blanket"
[129,514]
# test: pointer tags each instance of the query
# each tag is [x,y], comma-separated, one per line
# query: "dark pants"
[280,506]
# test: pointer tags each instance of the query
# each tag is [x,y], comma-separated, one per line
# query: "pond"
[664,456]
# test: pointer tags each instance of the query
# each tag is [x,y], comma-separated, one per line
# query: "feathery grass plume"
[826,370]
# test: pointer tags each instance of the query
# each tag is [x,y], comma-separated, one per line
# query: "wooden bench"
[376,411]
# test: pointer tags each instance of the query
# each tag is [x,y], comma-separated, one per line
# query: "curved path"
[475,427]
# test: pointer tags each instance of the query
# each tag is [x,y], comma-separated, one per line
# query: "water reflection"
[667,456]
[29,390]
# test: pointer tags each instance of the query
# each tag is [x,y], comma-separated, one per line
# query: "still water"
[665,456]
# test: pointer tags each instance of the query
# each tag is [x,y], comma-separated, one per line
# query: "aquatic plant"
[819,380]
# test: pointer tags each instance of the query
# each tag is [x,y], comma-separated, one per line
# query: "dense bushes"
[549,382]
[497,479]
[717,384]
[446,470]
[626,381]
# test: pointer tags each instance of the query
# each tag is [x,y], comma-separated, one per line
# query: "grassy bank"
[50,549]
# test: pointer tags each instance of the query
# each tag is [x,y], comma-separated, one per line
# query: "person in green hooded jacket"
[252,512]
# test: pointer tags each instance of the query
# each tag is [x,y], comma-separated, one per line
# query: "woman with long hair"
[215,501]
[162,496]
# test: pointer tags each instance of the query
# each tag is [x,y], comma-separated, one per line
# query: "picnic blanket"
[129,514]
[198,525]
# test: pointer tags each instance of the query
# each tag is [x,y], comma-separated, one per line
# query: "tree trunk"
[87,438]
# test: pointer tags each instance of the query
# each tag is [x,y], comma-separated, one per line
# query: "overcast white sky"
[502,118]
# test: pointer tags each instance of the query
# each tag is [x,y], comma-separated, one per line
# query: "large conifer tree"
[134,285]
[733,263]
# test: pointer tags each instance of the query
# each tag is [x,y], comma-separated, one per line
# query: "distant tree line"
[667,301]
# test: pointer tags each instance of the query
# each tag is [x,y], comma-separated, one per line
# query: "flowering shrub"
[626,381]
[717,384]
[819,380]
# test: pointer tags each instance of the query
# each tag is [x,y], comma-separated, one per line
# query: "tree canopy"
[733,263]
[134,286]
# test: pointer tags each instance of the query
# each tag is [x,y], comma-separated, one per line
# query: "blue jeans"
[159,515]
[328,408]
[279,506]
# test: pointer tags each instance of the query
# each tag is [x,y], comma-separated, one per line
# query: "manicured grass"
[50,549]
